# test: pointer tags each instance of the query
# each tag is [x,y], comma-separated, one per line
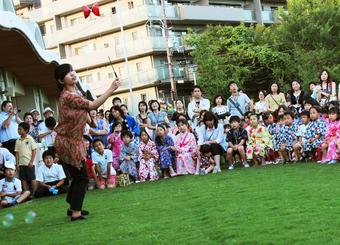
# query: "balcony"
[23,3]
[134,49]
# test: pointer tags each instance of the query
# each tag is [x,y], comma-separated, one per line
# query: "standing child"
[300,134]
[147,157]
[116,143]
[165,149]
[128,155]
[236,138]
[102,159]
[258,141]
[331,144]
[10,188]
[25,150]
[89,165]
[315,132]
[287,136]
[205,161]
[185,147]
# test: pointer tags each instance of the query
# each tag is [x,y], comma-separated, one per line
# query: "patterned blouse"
[69,143]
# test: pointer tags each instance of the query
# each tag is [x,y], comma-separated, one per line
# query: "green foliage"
[304,42]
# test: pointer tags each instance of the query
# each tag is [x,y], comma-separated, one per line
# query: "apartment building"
[138,54]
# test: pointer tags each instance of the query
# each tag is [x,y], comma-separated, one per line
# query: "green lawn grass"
[290,204]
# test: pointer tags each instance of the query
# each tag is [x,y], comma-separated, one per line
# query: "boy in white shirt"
[50,177]
[10,188]
[102,159]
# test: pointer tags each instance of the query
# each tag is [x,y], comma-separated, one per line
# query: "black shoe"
[81,217]
[83,212]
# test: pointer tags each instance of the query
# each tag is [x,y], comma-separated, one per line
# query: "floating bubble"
[8,220]
[30,217]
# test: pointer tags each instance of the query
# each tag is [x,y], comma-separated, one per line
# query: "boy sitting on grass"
[50,177]
[10,188]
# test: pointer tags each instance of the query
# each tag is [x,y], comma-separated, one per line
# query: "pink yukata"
[116,143]
[332,135]
[186,147]
[147,167]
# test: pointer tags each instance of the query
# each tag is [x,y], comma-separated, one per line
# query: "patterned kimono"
[258,141]
[147,167]
[314,128]
[129,166]
[287,136]
[332,134]
[185,144]
[116,143]
[274,131]
[166,157]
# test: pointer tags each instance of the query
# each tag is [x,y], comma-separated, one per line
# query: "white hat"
[48,109]
[10,165]
[35,110]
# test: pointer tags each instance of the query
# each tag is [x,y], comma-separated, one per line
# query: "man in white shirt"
[197,105]
[9,121]
[50,176]
[238,103]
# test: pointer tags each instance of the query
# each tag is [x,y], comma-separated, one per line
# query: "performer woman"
[69,143]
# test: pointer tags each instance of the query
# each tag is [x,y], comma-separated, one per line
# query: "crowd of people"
[121,148]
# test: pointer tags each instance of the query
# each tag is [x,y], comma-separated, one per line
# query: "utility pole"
[169,54]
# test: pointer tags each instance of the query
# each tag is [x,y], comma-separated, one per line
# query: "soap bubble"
[30,217]
[8,220]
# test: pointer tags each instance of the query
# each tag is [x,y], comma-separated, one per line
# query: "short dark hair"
[144,131]
[334,110]
[289,113]
[317,108]
[310,83]
[153,101]
[271,84]
[217,96]
[204,149]
[230,83]
[25,126]
[126,133]
[48,153]
[196,86]
[208,116]
[305,113]
[50,122]
[117,108]
[115,124]
[4,104]
[88,138]
[60,72]
[226,126]
[123,105]
[116,98]
[234,119]
[142,103]
[28,114]
[183,121]
[97,140]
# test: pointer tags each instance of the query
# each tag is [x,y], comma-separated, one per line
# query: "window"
[130,5]
[110,75]
[74,21]
[120,71]
[139,66]
[86,78]
[42,29]
[98,76]
[113,10]
[52,28]
[143,97]
[106,45]
[134,36]
[81,50]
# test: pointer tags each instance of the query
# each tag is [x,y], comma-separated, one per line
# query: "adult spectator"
[101,130]
[116,101]
[128,122]
[296,97]
[46,132]
[33,132]
[328,88]
[36,118]
[5,156]
[125,109]
[197,104]
[211,133]
[179,110]
[156,117]
[261,105]
[9,121]
[220,110]
[142,117]
[275,98]
[238,103]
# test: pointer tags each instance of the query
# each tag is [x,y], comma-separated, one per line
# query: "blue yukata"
[274,131]
[129,166]
[287,136]
[166,157]
[314,128]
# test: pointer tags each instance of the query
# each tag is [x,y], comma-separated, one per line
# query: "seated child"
[258,141]
[102,159]
[50,177]
[10,188]
[185,149]
[287,136]
[331,144]
[91,170]
[115,143]
[236,138]
[205,161]
[128,155]
[300,134]
[224,142]
[148,157]
[315,132]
